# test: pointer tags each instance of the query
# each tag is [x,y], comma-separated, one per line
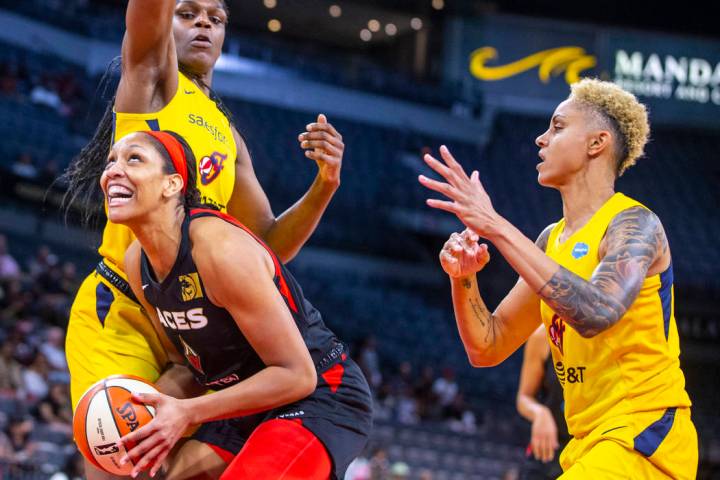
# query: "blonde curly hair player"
[600,280]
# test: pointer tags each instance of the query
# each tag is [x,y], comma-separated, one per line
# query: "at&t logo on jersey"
[556,332]
[570,374]
[190,286]
[210,167]
[192,319]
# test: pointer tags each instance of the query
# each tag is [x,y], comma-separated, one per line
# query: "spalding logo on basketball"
[105,414]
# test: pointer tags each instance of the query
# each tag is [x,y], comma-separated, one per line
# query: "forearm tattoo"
[487,320]
[634,239]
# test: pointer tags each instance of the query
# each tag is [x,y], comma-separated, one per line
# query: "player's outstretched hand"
[149,445]
[470,202]
[324,144]
[462,255]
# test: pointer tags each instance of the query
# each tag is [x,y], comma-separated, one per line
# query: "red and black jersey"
[206,334]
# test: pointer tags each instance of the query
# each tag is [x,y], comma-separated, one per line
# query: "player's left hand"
[324,144]
[149,445]
[470,202]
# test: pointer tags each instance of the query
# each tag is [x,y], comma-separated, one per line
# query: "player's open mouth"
[118,195]
[201,41]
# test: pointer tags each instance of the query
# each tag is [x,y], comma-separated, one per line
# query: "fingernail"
[304,144]
[133,474]
[309,126]
[123,460]
[307,153]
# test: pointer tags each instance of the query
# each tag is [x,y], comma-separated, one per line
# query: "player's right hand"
[462,255]
[544,436]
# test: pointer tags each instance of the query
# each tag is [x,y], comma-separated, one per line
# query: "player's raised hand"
[470,202]
[462,255]
[149,445]
[324,144]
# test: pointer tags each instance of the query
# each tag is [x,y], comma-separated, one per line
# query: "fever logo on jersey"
[556,331]
[210,167]
[190,286]
[192,357]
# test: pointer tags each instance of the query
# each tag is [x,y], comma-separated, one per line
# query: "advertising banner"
[520,62]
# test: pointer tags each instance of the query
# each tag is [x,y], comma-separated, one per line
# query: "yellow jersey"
[632,366]
[206,129]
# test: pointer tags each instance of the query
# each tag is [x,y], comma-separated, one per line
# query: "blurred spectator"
[10,370]
[74,470]
[55,409]
[19,432]
[379,464]
[53,348]
[446,388]
[426,398]
[461,418]
[425,474]
[9,268]
[35,379]
[43,260]
[43,94]
[23,167]
[370,363]
[399,471]
[359,469]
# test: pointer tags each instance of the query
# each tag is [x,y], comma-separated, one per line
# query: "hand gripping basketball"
[462,255]
[148,446]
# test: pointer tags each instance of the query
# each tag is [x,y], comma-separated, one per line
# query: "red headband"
[177,154]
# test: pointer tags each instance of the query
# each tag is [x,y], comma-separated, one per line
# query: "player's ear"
[598,142]
[173,184]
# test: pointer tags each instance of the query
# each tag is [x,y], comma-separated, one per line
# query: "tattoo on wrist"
[466,283]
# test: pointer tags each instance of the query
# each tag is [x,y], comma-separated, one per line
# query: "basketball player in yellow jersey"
[600,280]
[108,332]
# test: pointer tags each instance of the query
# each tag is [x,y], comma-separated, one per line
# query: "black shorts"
[338,413]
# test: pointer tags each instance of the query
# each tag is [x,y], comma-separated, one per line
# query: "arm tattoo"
[466,283]
[635,239]
[544,236]
[487,320]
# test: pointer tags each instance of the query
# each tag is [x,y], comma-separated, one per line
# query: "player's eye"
[186,15]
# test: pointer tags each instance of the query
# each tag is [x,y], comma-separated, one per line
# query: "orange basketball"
[106,413]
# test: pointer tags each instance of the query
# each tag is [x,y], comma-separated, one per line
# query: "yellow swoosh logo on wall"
[551,62]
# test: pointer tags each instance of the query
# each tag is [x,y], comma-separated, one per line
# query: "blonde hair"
[624,113]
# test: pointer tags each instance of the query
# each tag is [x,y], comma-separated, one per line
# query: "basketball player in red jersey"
[226,308]
[168,54]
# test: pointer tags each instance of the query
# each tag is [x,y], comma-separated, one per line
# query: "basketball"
[105,414]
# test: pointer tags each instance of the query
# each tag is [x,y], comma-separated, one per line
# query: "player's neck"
[160,238]
[203,81]
[581,199]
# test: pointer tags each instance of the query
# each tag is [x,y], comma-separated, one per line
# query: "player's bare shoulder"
[637,232]
[218,245]
[542,240]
